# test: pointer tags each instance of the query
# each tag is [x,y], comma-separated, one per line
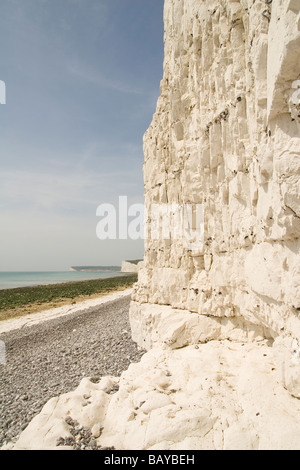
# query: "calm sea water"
[9,280]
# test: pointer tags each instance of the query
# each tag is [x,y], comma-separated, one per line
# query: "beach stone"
[96,430]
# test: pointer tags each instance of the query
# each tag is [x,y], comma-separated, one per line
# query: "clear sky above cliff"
[82,80]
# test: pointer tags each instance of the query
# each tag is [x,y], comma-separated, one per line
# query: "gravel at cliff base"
[51,358]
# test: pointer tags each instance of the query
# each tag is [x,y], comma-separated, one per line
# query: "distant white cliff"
[131,267]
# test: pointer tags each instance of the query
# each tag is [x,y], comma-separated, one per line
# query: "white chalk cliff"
[221,323]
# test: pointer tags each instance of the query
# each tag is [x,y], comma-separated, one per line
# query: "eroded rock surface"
[226,136]
[218,395]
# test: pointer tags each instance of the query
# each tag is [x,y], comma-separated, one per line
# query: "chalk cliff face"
[220,318]
[226,136]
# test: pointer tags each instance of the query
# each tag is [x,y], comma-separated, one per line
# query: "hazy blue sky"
[82,81]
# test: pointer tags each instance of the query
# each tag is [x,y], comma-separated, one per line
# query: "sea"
[10,280]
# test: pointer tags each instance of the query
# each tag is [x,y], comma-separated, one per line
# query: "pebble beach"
[48,354]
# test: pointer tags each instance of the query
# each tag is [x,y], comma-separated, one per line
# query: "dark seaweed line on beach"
[22,296]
